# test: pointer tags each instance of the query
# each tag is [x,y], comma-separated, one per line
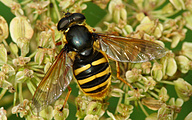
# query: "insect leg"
[118,75]
[66,98]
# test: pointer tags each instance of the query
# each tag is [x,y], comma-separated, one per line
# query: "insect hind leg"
[120,78]
[66,98]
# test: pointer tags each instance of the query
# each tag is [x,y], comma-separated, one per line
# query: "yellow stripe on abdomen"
[86,80]
[81,69]
[100,61]
[96,87]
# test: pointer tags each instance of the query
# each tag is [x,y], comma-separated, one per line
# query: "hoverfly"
[89,64]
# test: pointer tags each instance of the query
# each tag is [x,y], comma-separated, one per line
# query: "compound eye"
[63,24]
[77,17]
[69,20]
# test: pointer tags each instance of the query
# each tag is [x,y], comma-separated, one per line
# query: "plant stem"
[167,82]
[20,93]
[3,93]
[143,109]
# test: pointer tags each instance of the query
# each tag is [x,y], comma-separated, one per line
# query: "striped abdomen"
[93,75]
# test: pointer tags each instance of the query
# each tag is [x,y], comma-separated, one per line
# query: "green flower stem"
[31,87]
[33,54]
[37,79]
[153,94]
[36,16]
[39,75]
[2,93]
[38,66]
[159,13]
[126,101]
[143,109]
[150,92]
[37,70]
[5,43]
[167,82]
[140,86]
[119,102]
[56,9]
[20,93]
[31,63]
[160,3]
[15,94]
[157,90]
[25,2]
[161,17]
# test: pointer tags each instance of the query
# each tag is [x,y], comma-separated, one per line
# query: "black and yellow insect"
[85,56]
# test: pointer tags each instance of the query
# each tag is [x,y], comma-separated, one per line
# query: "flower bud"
[123,14]
[178,4]
[164,113]
[57,113]
[21,61]
[3,29]
[152,103]
[183,89]
[135,94]
[3,114]
[8,69]
[148,25]
[168,8]
[3,54]
[149,83]
[20,77]
[184,64]
[188,17]
[111,115]
[133,75]
[124,110]
[22,108]
[157,71]
[21,32]
[91,117]
[81,104]
[116,15]
[171,66]
[189,116]
[186,49]
[152,116]
[178,103]
[146,67]
[39,56]
[4,83]
[95,108]
[163,96]
[128,29]
[24,75]
[47,113]
[14,48]
[20,29]
[140,16]
[116,92]
[111,7]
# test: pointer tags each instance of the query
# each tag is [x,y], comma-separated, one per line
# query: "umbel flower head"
[30,42]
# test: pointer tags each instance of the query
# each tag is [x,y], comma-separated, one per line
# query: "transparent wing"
[54,82]
[126,49]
